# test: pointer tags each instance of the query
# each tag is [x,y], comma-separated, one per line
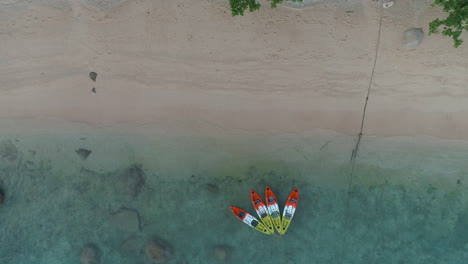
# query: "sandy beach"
[188,63]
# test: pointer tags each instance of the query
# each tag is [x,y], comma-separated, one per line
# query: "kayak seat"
[254,223]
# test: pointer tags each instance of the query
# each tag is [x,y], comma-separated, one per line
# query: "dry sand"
[186,64]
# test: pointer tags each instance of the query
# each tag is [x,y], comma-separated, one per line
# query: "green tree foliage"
[239,6]
[275,2]
[456,21]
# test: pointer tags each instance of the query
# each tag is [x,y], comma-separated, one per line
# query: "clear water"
[403,200]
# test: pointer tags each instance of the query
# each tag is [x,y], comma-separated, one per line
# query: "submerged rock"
[158,251]
[412,37]
[222,253]
[2,197]
[132,245]
[126,220]
[90,255]
[8,150]
[132,181]
[211,188]
[83,153]
[194,179]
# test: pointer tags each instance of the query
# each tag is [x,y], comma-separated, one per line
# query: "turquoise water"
[403,200]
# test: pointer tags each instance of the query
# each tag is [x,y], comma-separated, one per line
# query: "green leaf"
[239,6]
[455,22]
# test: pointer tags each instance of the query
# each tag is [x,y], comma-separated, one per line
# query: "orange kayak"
[273,208]
[261,210]
[289,210]
[249,219]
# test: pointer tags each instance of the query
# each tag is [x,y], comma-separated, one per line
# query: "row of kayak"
[269,213]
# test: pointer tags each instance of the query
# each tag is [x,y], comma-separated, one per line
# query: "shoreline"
[321,156]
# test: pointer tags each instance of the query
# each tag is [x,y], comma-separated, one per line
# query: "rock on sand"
[412,38]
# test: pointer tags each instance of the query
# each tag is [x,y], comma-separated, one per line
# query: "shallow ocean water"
[403,200]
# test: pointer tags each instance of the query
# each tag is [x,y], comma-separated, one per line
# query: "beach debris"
[387,3]
[222,253]
[133,180]
[93,76]
[126,220]
[158,251]
[90,255]
[93,90]
[412,38]
[2,197]
[132,245]
[8,150]
[83,153]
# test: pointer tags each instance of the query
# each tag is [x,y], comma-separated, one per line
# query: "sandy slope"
[189,63]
